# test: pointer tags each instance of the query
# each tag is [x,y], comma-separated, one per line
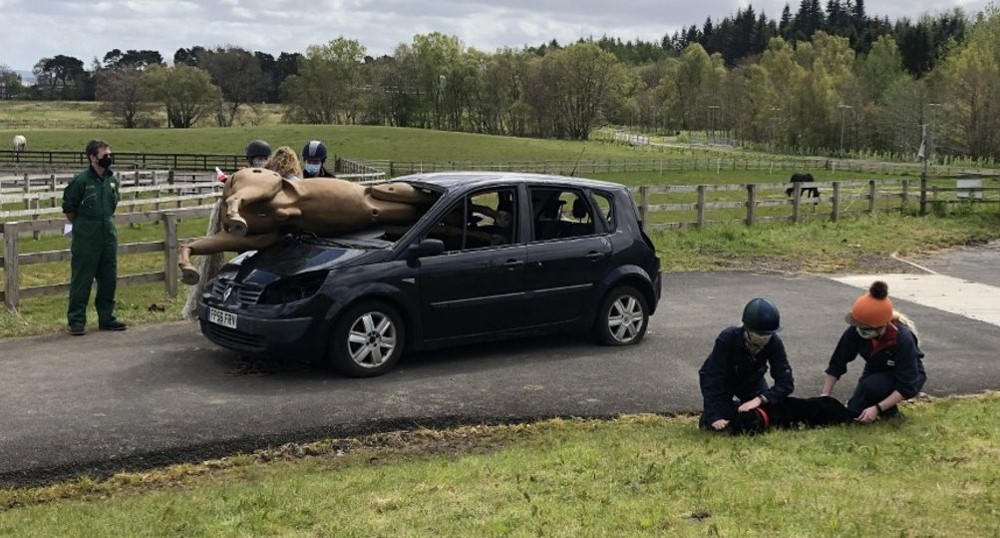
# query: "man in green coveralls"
[89,203]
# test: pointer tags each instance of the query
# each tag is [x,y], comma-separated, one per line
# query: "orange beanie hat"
[873,309]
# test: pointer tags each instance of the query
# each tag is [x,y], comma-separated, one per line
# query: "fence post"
[923,193]
[796,200]
[905,196]
[36,234]
[52,188]
[871,196]
[751,202]
[643,203]
[836,202]
[11,296]
[170,268]
[701,206]
[27,183]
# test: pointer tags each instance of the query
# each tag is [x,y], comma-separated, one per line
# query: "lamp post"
[843,112]
[773,109]
[711,119]
[442,82]
[925,145]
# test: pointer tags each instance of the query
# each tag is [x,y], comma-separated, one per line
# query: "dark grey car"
[497,255]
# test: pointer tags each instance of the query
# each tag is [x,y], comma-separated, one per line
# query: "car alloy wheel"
[624,317]
[368,340]
[371,340]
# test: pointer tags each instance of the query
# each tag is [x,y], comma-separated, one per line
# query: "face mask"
[867,333]
[106,161]
[311,169]
[758,340]
[258,162]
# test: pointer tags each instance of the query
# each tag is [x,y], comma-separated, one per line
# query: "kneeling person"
[732,377]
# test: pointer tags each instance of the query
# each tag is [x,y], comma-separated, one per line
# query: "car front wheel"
[367,340]
[623,317]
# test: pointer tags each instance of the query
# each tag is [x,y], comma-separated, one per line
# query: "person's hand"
[748,405]
[868,415]
[720,424]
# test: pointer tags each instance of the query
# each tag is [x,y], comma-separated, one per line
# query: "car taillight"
[293,288]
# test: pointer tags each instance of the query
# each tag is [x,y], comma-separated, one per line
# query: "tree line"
[832,79]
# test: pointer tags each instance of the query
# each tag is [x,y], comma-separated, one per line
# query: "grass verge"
[932,473]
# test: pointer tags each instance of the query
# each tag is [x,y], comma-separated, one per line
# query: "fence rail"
[56,161]
[662,165]
[662,208]
[13,260]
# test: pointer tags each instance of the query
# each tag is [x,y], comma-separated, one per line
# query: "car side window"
[560,213]
[483,219]
[606,208]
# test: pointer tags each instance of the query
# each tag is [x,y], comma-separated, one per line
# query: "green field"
[34,115]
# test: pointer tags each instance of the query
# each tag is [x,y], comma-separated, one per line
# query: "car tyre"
[623,317]
[367,340]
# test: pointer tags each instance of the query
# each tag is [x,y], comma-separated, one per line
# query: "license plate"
[221,317]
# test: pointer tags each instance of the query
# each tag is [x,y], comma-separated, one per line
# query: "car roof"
[474,179]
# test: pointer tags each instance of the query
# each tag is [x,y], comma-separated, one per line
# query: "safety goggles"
[758,339]
[868,333]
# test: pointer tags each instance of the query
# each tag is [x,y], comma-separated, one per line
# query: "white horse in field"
[19,143]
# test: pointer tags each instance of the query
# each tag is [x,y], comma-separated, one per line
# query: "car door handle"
[513,264]
[595,256]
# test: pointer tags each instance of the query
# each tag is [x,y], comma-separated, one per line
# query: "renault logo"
[227,293]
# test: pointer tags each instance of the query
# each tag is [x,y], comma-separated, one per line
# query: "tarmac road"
[162,393]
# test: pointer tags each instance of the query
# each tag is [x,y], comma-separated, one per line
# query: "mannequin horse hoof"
[238,226]
[190,276]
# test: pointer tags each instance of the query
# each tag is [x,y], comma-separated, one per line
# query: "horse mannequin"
[259,205]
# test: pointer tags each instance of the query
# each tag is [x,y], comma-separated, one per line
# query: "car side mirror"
[426,247]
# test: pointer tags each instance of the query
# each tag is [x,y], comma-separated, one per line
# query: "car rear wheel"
[623,317]
[367,340]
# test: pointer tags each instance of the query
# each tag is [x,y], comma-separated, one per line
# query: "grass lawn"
[932,473]
[352,141]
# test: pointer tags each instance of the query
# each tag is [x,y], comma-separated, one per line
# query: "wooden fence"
[71,160]
[680,206]
[662,208]
[131,161]
[12,260]
[711,164]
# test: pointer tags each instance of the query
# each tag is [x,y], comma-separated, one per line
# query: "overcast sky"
[34,29]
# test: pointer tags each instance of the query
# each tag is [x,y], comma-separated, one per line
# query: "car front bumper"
[260,336]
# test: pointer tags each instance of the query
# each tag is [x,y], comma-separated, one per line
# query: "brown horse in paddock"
[259,206]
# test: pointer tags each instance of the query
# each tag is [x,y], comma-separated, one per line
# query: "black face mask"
[106,161]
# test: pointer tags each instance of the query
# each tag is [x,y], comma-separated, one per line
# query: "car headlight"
[294,288]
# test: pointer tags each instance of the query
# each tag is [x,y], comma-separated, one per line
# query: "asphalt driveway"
[162,393]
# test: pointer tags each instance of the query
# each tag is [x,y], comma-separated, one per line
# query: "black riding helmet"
[314,150]
[258,148]
[761,316]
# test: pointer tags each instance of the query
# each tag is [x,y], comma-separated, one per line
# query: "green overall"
[94,247]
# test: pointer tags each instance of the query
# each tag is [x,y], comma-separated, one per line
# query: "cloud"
[45,28]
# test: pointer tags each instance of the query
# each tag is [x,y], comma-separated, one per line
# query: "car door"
[567,256]
[477,285]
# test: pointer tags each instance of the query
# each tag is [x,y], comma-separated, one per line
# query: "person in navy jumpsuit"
[732,377]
